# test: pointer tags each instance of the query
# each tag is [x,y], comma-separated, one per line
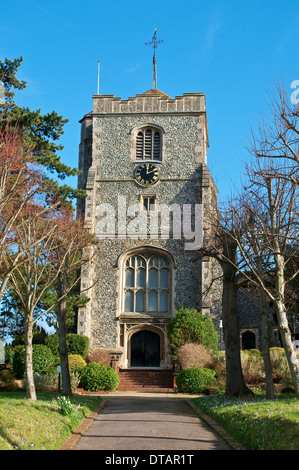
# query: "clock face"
[146,174]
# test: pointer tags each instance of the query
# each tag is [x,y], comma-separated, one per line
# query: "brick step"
[136,379]
[142,378]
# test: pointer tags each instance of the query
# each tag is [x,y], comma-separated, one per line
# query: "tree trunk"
[279,302]
[266,348]
[29,378]
[265,336]
[61,314]
[235,384]
[283,324]
[288,344]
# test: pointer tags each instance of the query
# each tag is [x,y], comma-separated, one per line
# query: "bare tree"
[34,239]
[270,236]
[72,252]
[40,243]
[220,245]
[250,244]
[20,183]
[267,212]
[254,242]
[274,177]
[277,137]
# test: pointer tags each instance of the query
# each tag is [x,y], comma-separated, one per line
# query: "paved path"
[149,422]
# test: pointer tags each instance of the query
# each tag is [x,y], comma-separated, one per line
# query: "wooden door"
[145,349]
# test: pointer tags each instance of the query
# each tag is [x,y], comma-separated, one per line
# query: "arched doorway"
[145,349]
[248,340]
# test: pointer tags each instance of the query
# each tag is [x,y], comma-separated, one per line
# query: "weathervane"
[154,42]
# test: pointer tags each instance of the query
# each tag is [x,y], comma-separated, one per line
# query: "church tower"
[144,168]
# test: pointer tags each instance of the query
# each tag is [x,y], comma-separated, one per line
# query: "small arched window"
[148,144]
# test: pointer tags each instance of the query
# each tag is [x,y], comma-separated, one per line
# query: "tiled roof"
[154,91]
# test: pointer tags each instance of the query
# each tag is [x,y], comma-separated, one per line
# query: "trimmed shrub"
[76,344]
[195,380]
[100,356]
[38,337]
[49,382]
[52,342]
[42,358]
[45,382]
[9,353]
[75,362]
[190,326]
[195,355]
[220,367]
[280,367]
[8,381]
[252,366]
[95,377]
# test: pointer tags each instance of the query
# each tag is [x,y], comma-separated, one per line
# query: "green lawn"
[39,425]
[258,423]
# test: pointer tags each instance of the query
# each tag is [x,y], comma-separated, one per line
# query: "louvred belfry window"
[148,144]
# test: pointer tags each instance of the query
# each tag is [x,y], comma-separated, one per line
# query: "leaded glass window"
[146,283]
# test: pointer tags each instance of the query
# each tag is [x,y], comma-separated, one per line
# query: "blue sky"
[233,51]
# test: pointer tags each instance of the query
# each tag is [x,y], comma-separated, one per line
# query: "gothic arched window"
[148,144]
[146,283]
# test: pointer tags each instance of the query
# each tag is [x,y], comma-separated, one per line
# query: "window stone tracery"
[146,284]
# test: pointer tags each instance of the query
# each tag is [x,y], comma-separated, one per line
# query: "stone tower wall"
[107,160]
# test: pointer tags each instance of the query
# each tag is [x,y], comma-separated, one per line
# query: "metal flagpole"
[98,88]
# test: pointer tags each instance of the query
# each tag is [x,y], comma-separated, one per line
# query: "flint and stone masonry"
[123,315]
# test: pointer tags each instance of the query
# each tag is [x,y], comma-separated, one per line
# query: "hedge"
[42,358]
[195,380]
[76,344]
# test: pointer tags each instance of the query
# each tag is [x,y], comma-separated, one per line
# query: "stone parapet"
[152,101]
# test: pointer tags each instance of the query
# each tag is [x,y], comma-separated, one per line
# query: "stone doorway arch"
[145,349]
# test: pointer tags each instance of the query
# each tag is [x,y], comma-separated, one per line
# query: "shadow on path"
[149,423]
